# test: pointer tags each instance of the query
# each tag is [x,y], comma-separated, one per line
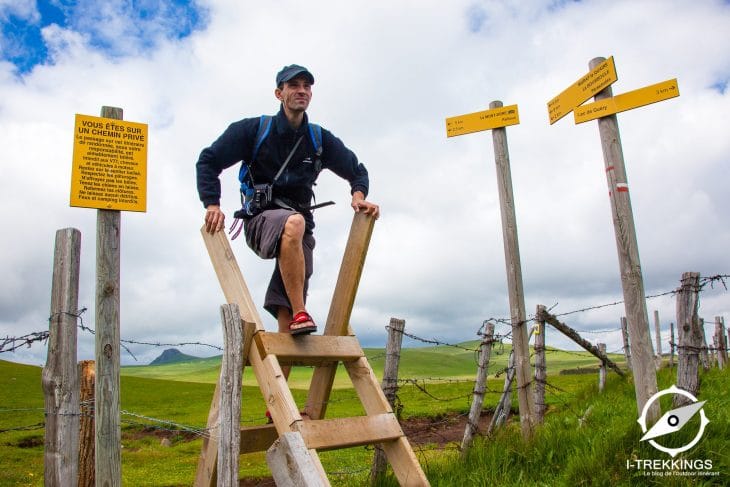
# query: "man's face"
[295,94]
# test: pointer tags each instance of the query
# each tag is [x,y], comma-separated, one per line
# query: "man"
[282,230]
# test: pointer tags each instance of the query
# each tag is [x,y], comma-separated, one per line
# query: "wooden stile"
[378,426]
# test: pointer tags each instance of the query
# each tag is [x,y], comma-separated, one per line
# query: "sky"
[388,74]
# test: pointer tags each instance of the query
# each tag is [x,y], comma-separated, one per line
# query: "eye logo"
[672,421]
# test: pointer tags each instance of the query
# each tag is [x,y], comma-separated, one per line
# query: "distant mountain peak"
[171,356]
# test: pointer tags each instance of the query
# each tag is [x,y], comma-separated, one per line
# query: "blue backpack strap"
[261,133]
[315,133]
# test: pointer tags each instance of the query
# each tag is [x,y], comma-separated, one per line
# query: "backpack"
[244,174]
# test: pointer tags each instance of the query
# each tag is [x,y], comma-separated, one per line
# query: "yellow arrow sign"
[476,122]
[626,101]
[597,79]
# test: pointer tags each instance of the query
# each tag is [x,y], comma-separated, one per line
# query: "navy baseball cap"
[292,71]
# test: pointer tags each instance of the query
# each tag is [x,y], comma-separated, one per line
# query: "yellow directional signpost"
[497,118]
[596,80]
[109,164]
[486,120]
[627,101]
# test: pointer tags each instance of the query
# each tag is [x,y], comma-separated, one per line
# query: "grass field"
[439,385]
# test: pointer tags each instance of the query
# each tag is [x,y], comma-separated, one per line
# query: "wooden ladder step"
[328,434]
[257,438]
[308,349]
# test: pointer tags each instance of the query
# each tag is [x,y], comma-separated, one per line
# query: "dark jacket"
[236,144]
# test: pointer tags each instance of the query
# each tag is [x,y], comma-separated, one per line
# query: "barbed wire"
[10,344]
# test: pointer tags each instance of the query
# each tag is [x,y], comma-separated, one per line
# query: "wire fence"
[424,386]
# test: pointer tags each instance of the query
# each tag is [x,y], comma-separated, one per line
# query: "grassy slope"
[418,363]
[561,455]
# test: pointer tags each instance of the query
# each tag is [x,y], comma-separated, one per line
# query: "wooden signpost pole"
[496,119]
[108,462]
[514,278]
[632,282]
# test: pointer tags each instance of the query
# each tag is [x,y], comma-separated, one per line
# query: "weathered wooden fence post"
[108,461]
[60,377]
[721,345]
[705,350]
[390,386]
[658,331]
[627,347]
[514,278]
[87,373]
[480,387]
[632,281]
[229,444]
[602,369]
[672,345]
[690,337]
[540,367]
[504,407]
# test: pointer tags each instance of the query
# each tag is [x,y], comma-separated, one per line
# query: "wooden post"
[60,375]
[721,342]
[480,387]
[540,367]
[87,374]
[290,462]
[390,386]
[632,282]
[719,339]
[504,407]
[690,337]
[230,407]
[514,278]
[108,446]
[704,350]
[627,347]
[343,300]
[671,345]
[658,331]
[572,334]
[602,369]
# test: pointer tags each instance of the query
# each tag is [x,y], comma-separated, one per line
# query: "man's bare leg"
[291,266]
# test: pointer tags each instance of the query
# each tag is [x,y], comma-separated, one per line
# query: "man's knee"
[294,227]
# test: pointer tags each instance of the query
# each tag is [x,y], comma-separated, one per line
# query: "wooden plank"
[292,465]
[229,275]
[343,300]
[269,375]
[207,473]
[328,434]
[60,378]
[257,438]
[308,350]
[399,452]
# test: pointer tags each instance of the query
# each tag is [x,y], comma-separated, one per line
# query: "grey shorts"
[263,234]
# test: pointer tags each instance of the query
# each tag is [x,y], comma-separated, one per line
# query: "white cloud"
[386,78]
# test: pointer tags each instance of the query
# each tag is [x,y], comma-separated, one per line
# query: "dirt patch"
[440,431]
